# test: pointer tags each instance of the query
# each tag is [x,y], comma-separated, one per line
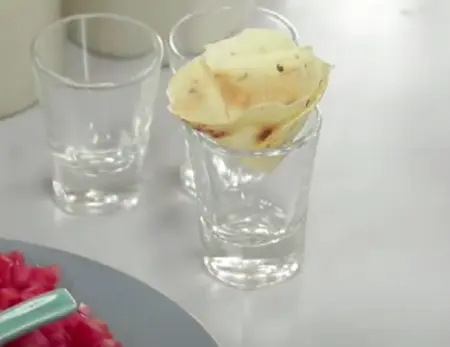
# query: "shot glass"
[98,108]
[253,206]
[191,33]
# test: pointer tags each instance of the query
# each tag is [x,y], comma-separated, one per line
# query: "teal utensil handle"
[34,313]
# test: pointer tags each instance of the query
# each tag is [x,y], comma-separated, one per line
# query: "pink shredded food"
[20,281]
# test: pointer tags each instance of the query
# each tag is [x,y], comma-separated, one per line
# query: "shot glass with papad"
[250,102]
[195,30]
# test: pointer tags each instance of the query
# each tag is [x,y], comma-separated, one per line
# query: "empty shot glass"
[98,106]
[253,206]
[191,33]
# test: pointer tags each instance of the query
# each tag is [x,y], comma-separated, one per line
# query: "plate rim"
[51,248]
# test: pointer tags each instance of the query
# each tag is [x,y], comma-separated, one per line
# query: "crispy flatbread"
[252,92]
[253,138]
[284,134]
[256,130]
[194,95]
[281,77]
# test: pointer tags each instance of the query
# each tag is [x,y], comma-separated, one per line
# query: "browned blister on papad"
[252,93]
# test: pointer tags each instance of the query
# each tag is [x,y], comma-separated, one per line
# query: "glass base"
[93,201]
[250,252]
[252,273]
[187,180]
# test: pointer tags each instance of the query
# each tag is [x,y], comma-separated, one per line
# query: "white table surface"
[377,269]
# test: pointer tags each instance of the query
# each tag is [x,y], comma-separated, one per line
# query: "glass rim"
[269,152]
[269,13]
[136,78]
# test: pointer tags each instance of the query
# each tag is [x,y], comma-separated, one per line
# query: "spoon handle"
[34,313]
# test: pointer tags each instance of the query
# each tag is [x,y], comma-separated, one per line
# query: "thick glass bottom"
[93,201]
[247,253]
[244,273]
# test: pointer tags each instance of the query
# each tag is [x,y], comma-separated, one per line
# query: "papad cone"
[261,101]
[266,127]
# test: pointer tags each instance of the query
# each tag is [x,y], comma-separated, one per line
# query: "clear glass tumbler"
[98,107]
[253,206]
[191,33]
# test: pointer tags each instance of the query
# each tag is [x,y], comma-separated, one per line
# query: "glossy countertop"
[378,240]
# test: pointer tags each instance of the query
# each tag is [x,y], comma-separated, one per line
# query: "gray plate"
[138,315]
